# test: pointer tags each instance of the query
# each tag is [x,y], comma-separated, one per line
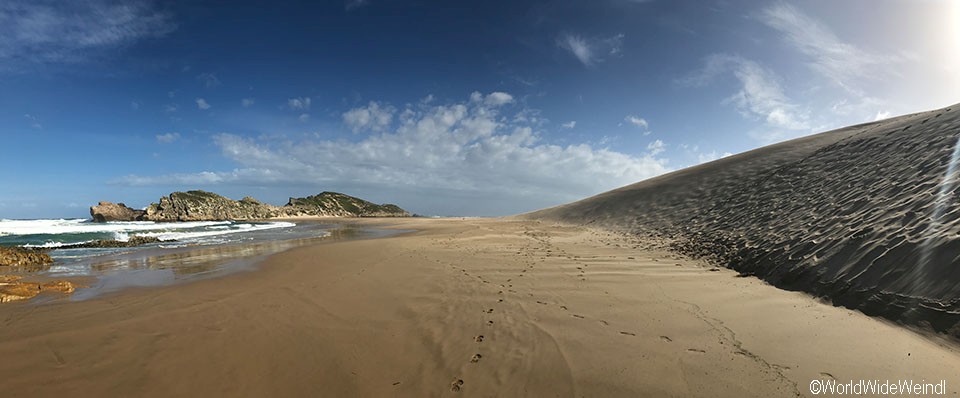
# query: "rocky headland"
[208,206]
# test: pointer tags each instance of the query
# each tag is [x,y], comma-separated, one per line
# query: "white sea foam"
[79,225]
[51,244]
[185,235]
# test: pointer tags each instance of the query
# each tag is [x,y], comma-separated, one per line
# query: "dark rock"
[341,205]
[23,258]
[107,211]
[107,243]
[208,206]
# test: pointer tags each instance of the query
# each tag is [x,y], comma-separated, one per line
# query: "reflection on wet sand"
[162,266]
[193,260]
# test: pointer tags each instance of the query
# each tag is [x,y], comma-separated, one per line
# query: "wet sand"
[474,307]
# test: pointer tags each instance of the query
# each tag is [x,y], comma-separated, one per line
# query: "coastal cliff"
[208,206]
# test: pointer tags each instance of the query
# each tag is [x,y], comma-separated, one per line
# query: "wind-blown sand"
[866,216]
[508,307]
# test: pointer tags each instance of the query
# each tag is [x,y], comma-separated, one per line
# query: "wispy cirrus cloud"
[637,121]
[167,138]
[590,51]
[760,97]
[835,59]
[34,121]
[53,32]
[444,151]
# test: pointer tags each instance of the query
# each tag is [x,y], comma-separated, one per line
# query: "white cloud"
[373,117]
[637,121]
[569,125]
[167,138]
[301,103]
[760,96]
[656,147]
[882,115]
[833,58]
[304,117]
[446,151]
[170,108]
[711,156]
[36,32]
[209,80]
[247,102]
[135,105]
[202,104]
[591,51]
[498,98]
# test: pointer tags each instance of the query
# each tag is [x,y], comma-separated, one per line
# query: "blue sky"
[451,108]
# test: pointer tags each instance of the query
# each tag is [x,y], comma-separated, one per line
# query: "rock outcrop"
[13,289]
[107,211]
[340,205]
[208,206]
[23,258]
[110,243]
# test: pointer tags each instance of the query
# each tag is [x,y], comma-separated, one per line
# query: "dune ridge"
[865,216]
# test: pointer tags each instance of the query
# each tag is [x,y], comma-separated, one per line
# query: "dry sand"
[510,308]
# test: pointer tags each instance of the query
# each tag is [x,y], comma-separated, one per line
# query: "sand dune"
[866,216]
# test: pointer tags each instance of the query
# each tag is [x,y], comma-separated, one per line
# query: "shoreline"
[562,310]
[146,266]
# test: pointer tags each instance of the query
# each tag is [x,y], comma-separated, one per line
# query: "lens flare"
[947,185]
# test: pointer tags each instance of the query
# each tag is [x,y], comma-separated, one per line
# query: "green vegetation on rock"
[207,206]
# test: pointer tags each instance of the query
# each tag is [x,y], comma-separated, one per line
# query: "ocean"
[187,250]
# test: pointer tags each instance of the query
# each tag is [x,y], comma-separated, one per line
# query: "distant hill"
[208,206]
[866,216]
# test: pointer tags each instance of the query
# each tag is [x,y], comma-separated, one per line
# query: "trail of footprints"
[544,248]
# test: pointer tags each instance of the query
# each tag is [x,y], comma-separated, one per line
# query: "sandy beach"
[461,307]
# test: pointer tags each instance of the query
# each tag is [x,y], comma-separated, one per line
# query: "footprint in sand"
[456,385]
[476,358]
[563,307]
[490,311]
[578,316]
[541,302]
[666,339]
[604,323]
[627,333]
[478,339]
[825,374]
[696,350]
[489,322]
